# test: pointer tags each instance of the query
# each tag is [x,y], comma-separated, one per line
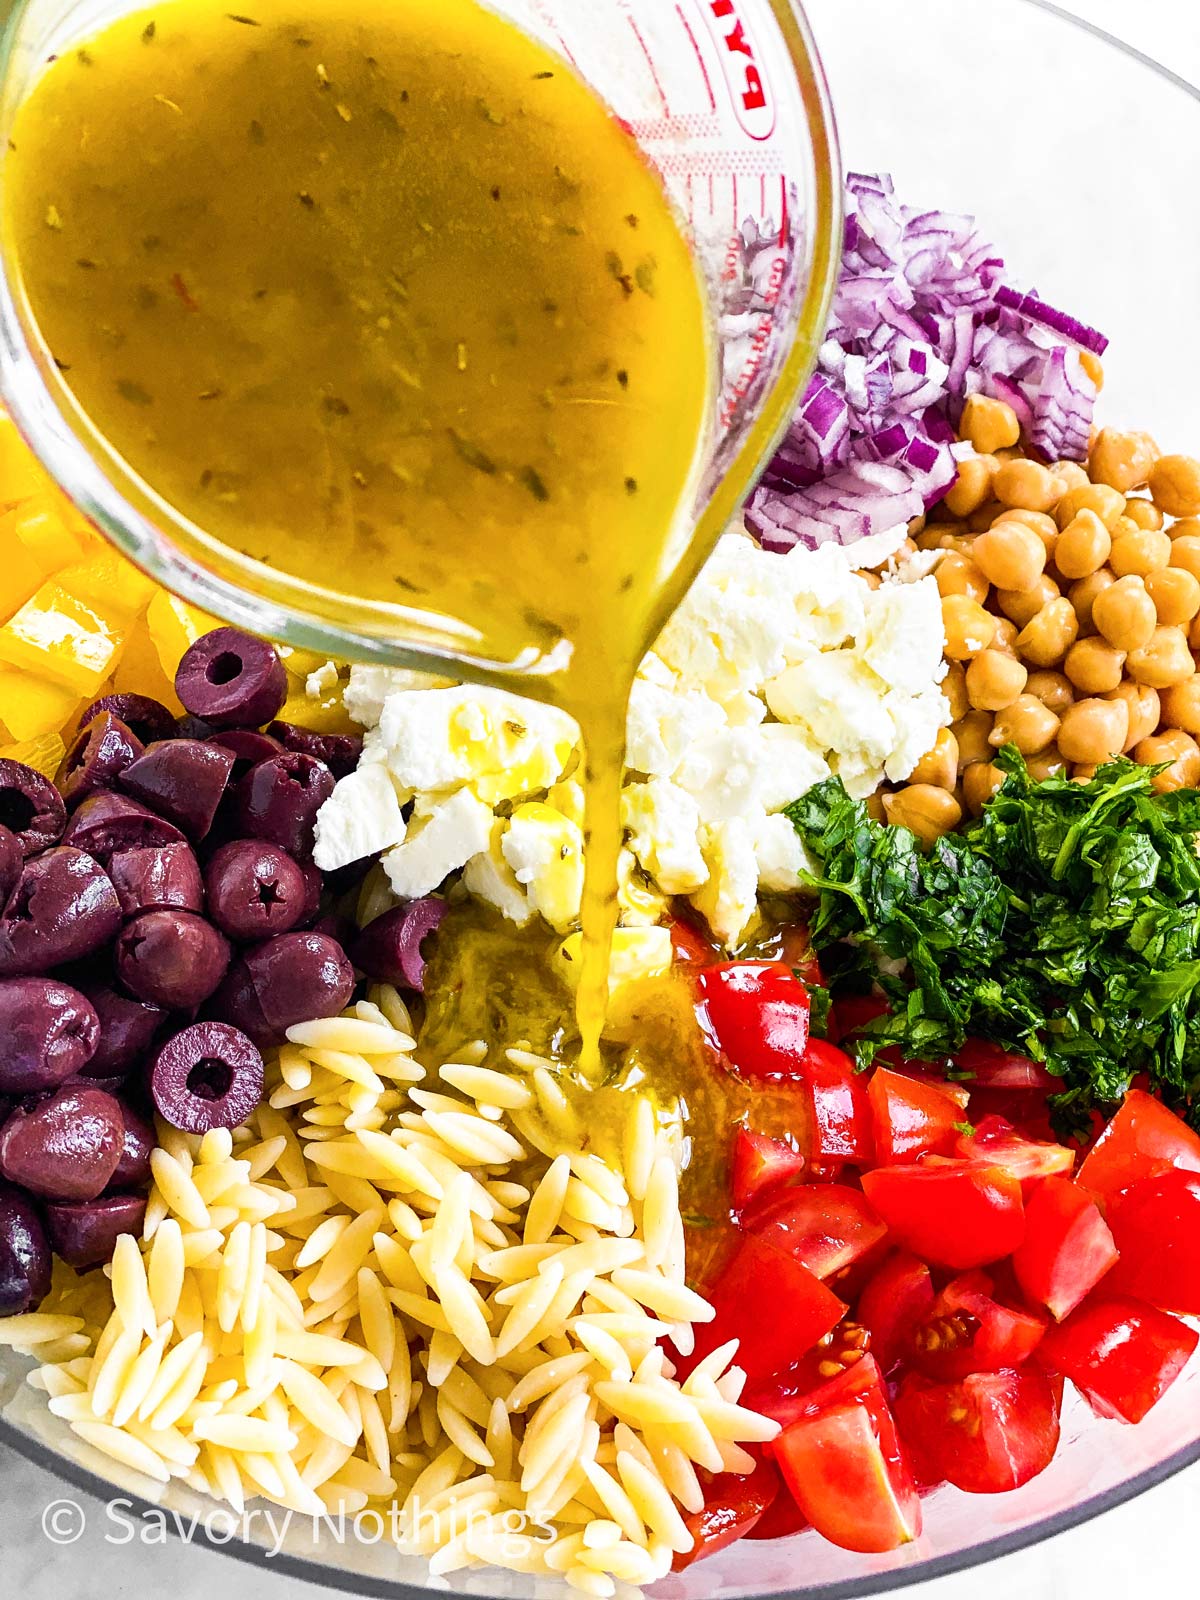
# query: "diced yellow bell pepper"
[21,473]
[174,625]
[20,575]
[140,671]
[111,585]
[56,636]
[32,707]
[42,526]
[44,754]
[322,716]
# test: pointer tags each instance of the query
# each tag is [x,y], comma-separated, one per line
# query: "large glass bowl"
[1071,152]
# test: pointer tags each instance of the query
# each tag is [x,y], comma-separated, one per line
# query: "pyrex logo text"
[743,67]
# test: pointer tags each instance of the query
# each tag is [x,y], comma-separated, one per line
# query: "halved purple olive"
[63,908]
[231,679]
[25,1262]
[163,878]
[11,861]
[208,1076]
[85,1232]
[128,1028]
[66,1147]
[99,755]
[295,977]
[107,822]
[247,746]
[182,780]
[389,949]
[30,807]
[48,1032]
[255,890]
[171,958]
[339,751]
[278,800]
[133,1169]
[149,719]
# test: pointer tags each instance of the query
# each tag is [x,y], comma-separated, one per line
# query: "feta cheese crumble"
[776,671]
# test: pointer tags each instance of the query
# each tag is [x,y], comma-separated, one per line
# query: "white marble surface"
[1139,1549]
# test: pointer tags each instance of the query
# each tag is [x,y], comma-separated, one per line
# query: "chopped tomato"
[689,946]
[953,1214]
[894,1301]
[757,1014]
[998,1143]
[825,1226]
[993,1067]
[842,1460]
[782,1518]
[785,1396]
[772,1304]
[1121,1354]
[988,1432]
[761,1163]
[852,1013]
[841,1109]
[1156,1227]
[967,1330]
[1067,1247]
[1143,1140]
[910,1117]
[733,1505]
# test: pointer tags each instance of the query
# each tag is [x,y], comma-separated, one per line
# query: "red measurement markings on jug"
[743,66]
[751,367]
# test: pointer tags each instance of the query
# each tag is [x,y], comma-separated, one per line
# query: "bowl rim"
[344,1581]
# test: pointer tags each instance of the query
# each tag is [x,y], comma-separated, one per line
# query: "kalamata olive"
[133,1169]
[248,748]
[158,879]
[339,751]
[31,807]
[389,948]
[63,909]
[295,977]
[171,958]
[231,679]
[85,1232]
[314,884]
[149,719]
[128,1028]
[182,780]
[102,750]
[11,859]
[208,1076]
[192,728]
[66,1147]
[48,1032]
[107,822]
[24,1254]
[278,800]
[255,889]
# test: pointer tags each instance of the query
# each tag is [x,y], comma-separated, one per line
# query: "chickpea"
[1024,484]
[1070,474]
[1194,633]
[972,734]
[1046,763]
[1144,513]
[1093,366]
[1027,723]
[1046,638]
[1164,661]
[1185,553]
[954,687]
[960,543]
[1142,704]
[1174,485]
[980,781]
[916,526]
[1176,594]
[938,766]
[1121,460]
[980,521]
[1177,748]
[1181,705]
[1005,637]
[1124,613]
[1083,774]
[994,680]
[1083,546]
[967,626]
[1138,550]
[1093,731]
[989,424]
[1098,497]
[1042,523]
[1010,555]
[1022,605]
[871,579]
[1093,666]
[874,804]
[929,538]
[972,486]
[1182,527]
[1053,689]
[957,574]
[927,811]
[1082,596]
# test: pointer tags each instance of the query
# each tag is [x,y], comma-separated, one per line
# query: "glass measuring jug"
[726,101]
